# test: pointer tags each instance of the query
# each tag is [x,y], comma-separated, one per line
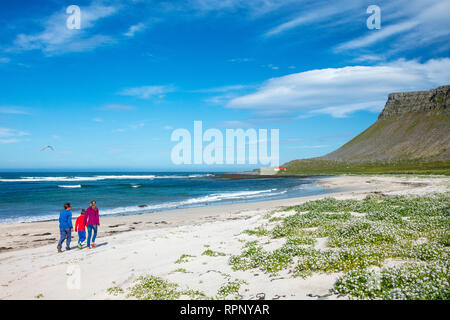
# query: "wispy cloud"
[4,59]
[133,126]
[240,60]
[134,29]
[115,107]
[146,92]
[314,15]
[56,38]
[413,23]
[341,91]
[254,7]
[13,110]
[8,135]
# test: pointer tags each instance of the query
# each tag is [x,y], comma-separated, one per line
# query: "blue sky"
[109,95]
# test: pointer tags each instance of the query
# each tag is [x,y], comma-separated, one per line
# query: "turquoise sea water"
[40,196]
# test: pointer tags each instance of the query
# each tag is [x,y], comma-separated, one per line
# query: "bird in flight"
[47,147]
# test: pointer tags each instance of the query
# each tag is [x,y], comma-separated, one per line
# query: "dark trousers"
[65,234]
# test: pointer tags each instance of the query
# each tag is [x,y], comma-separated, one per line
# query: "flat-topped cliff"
[412,126]
[417,101]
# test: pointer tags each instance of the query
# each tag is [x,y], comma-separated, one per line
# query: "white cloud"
[134,28]
[97,120]
[415,23]
[146,92]
[56,38]
[12,110]
[4,60]
[137,125]
[255,7]
[168,127]
[8,135]
[240,60]
[115,107]
[308,16]
[340,91]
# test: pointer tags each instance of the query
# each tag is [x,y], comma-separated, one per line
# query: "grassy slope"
[318,166]
[412,136]
[411,143]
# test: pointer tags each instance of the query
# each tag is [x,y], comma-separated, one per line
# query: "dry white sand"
[149,244]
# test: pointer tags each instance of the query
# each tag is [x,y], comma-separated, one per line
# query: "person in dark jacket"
[65,227]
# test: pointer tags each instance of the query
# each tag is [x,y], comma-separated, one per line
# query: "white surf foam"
[101,177]
[74,179]
[70,186]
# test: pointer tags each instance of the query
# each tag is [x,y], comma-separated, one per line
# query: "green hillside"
[411,135]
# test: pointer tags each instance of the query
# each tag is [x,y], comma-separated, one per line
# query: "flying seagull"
[47,147]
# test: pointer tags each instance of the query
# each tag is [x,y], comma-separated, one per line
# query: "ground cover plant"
[360,238]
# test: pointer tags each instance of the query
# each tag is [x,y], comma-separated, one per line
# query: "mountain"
[413,130]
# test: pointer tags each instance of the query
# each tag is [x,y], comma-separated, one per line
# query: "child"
[80,227]
[65,226]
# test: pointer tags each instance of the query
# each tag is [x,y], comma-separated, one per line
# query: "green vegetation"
[154,288]
[410,281]
[114,290]
[409,137]
[230,288]
[212,253]
[259,231]
[324,167]
[361,235]
[184,258]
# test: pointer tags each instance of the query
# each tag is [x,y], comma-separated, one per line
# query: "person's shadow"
[96,246]
[101,244]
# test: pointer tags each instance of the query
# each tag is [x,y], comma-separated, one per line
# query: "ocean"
[26,197]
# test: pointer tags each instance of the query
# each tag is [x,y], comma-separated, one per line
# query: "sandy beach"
[134,245]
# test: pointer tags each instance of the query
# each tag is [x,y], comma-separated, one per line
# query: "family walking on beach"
[88,218]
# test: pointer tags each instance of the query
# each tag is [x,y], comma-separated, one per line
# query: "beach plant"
[116,290]
[343,259]
[154,288]
[230,288]
[411,281]
[259,231]
[360,235]
[184,258]
[212,253]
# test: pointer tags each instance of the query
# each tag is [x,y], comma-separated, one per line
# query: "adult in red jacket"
[92,221]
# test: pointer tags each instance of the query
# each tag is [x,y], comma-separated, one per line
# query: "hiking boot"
[93,245]
[79,246]
[67,249]
[59,249]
